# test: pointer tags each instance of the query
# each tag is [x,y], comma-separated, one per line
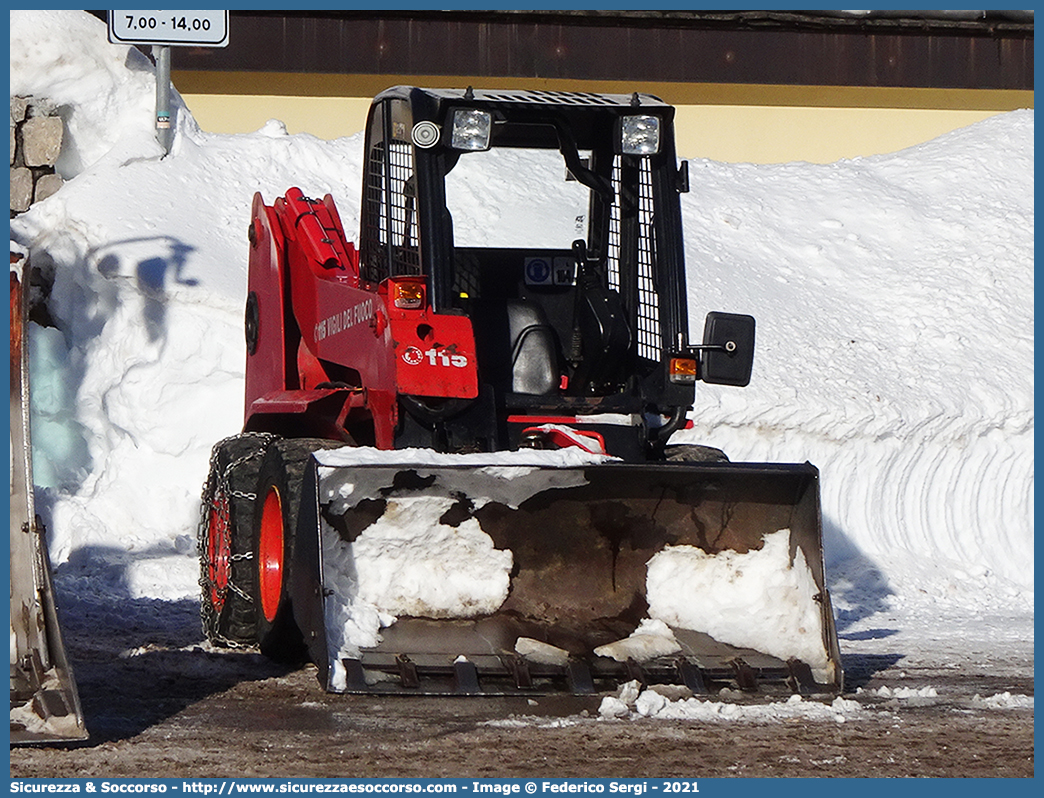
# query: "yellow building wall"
[766,134]
[754,124]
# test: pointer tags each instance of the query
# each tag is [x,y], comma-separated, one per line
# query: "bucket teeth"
[519,670]
[635,672]
[579,676]
[50,704]
[465,677]
[407,672]
[355,676]
[801,679]
[690,676]
[746,677]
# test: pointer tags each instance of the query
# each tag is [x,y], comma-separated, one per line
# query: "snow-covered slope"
[894,299]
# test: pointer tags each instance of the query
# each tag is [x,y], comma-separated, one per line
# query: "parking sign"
[191,28]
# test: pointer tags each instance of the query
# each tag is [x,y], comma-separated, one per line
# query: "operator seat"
[534,369]
[516,347]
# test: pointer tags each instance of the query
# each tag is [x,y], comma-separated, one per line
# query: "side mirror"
[728,349]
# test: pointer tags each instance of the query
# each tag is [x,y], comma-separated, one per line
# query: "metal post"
[164,131]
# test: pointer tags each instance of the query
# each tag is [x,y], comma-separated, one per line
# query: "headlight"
[640,135]
[471,129]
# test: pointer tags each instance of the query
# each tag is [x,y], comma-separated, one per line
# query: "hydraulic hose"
[673,425]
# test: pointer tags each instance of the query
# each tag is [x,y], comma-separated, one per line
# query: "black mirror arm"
[728,346]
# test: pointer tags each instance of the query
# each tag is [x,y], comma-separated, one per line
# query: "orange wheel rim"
[219,551]
[270,555]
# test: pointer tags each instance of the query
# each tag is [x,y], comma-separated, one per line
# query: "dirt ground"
[167,709]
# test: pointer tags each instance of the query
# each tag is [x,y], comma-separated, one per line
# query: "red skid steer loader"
[456,473]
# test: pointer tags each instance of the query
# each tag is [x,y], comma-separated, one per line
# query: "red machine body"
[330,352]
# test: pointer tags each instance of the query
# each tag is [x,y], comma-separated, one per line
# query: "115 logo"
[436,356]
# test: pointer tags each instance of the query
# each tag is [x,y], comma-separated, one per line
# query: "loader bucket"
[507,574]
[45,706]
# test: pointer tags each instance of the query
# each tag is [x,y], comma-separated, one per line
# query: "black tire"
[225,538]
[694,453]
[277,503]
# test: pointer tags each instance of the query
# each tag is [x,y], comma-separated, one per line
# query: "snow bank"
[894,299]
[106,94]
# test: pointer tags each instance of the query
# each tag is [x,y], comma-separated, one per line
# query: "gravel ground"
[156,705]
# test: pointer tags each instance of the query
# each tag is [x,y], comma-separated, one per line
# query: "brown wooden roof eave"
[757,48]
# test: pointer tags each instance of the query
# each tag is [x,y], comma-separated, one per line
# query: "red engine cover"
[434,353]
[320,330]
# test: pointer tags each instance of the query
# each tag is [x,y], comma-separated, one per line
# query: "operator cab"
[552,220]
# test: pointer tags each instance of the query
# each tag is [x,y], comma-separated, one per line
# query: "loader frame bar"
[45,705]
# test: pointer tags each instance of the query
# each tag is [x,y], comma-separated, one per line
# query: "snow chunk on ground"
[760,599]
[1004,701]
[654,704]
[906,692]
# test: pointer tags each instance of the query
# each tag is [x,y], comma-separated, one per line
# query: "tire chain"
[206,609]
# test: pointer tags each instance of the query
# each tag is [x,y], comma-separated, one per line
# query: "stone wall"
[36,140]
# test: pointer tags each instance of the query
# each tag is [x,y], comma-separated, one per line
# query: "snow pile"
[894,299]
[407,563]
[410,563]
[758,599]
[487,201]
[410,560]
[904,696]
[905,692]
[632,703]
